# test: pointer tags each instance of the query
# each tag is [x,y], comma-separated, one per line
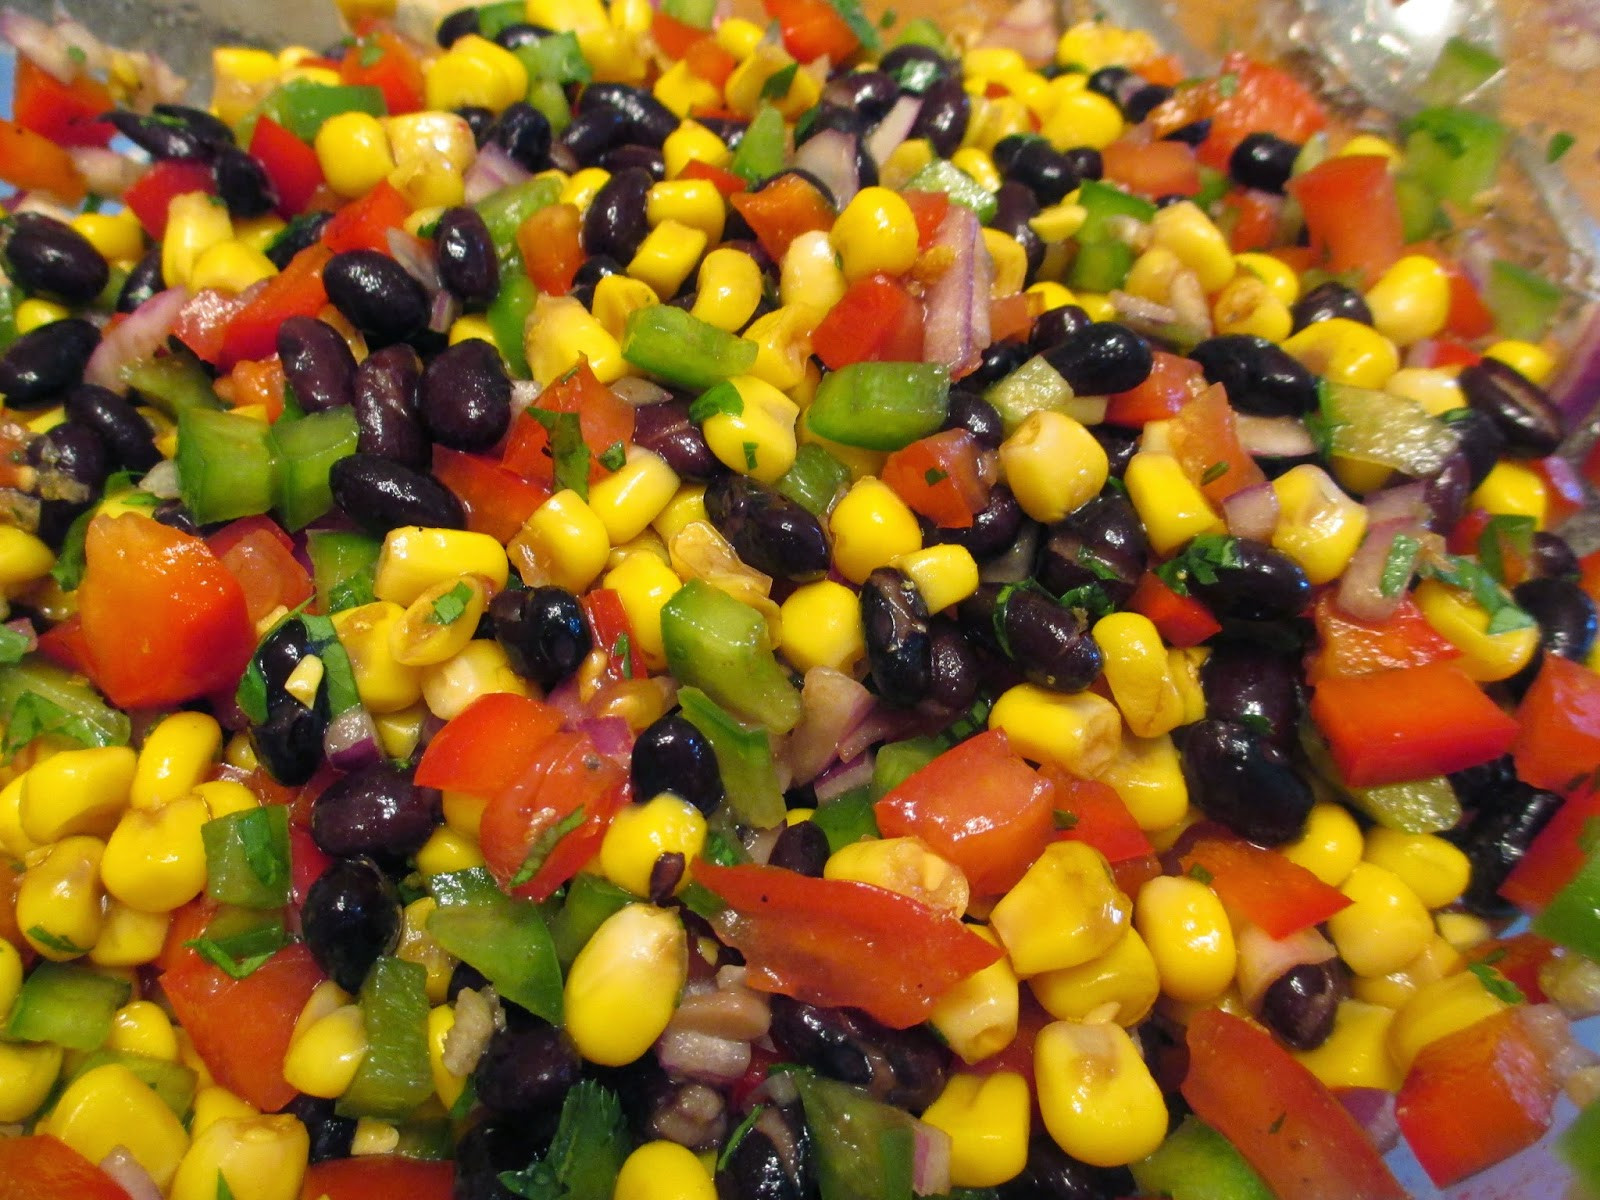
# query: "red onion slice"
[138,336]
[843,777]
[1029,28]
[1576,390]
[1273,437]
[351,741]
[1361,594]
[834,705]
[930,1160]
[1373,1110]
[1252,512]
[39,43]
[893,129]
[611,736]
[1407,502]
[446,308]
[492,170]
[105,171]
[956,326]
[417,258]
[123,1169]
[831,157]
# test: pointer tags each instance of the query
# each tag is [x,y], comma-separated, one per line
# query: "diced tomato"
[163,620]
[1346,646]
[202,322]
[928,209]
[1183,620]
[1352,213]
[382,59]
[874,321]
[606,422]
[551,248]
[1559,739]
[938,476]
[835,942]
[1165,69]
[1205,440]
[980,806]
[1475,1097]
[1556,853]
[1469,317]
[307,862]
[296,291]
[374,1175]
[613,633]
[364,224]
[812,28]
[1410,723]
[1099,818]
[1518,958]
[149,197]
[66,113]
[292,165]
[1445,350]
[1132,874]
[489,745]
[497,501]
[1011,318]
[1152,169]
[1263,886]
[1251,97]
[725,182]
[782,212]
[261,557]
[63,645]
[34,163]
[1296,1134]
[1173,382]
[44,1168]
[1251,219]
[709,61]
[1563,488]
[255,382]
[672,35]
[527,453]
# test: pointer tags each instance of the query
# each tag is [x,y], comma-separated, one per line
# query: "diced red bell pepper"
[527,453]
[382,59]
[45,1168]
[371,1175]
[812,28]
[497,501]
[1559,740]
[1346,646]
[1352,213]
[255,382]
[1475,1097]
[296,291]
[876,320]
[928,209]
[1556,853]
[1152,169]
[488,746]
[605,421]
[364,224]
[1205,440]
[980,806]
[1099,818]
[1251,219]
[1182,620]
[35,163]
[552,250]
[1173,382]
[782,212]
[1518,958]
[261,557]
[1250,97]
[1011,317]
[66,113]
[1444,350]
[307,862]
[613,632]
[149,197]
[835,942]
[706,59]
[1297,1135]
[163,620]
[1410,723]
[1469,316]
[1263,886]
[938,476]
[292,165]
[672,35]
[725,182]
[202,322]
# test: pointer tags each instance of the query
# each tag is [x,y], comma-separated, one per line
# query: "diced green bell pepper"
[590,900]
[547,96]
[247,857]
[225,465]
[1461,69]
[508,317]
[505,211]
[1524,304]
[1420,214]
[1102,201]
[942,175]
[394,1078]
[343,565]
[865,1149]
[715,643]
[172,384]
[814,480]
[920,31]
[682,349]
[471,886]
[1035,386]
[761,150]
[881,405]
[698,13]
[508,941]
[1454,153]
[306,451]
[556,58]
[302,106]
[898,761]
[1580,1146]
[492,18]
[1101,266]
[173,1082]
[744,760]
[36,696]
[1383,428]
[10,297]
[847,818]
[68,1005]
[1572,917]
[1214,185]
[1415,806]
[1198,1163]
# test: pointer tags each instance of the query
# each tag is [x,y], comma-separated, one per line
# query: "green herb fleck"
[224,1192]
[738,1135]
[1094,564]
[933,476]
[1398,564]
[1496,984]
[567,449]
[1197,871]
[1504,531]
[448,608]
[1255,723]
[1227,84]
[242,954]
[623,649]
[78,56]
[890,16]
[1560,143]
[590,1142]
[1200,561]
[465,1101]
[615,457]
[88,723]
[1277,1123]
[719,849]
[544,845]
[1213,473]
[722,398]
[1324,431]
[778,83]
[1472,578]
[750,449]
[1064,819]
[51,941]
[1091,598]
[370,55]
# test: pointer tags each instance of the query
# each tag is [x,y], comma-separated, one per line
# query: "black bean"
[1487,786]
[524,133]
[317,363]
[72,463]
[955,669]
[543,632]
[1104,358]
[993,529]
[1085,162]
[520,34]
[1053,1174]
[1120,444]
[1327,301]
[492,1147]
[1143,101]
[771,532]
[376,295]
[646,120]
[997,361]
[916,66]
[1553,558]
[1193,134]
[1497,839]
[1041,168]
[671,755]
[300,234]
[1565,614]
[467,262]
[1299,1005]
[633,155]
[970,411]
[44,362]
[243,184]
[331,1135]
[1519,408]
[526,1070]
[143,282]
[1263,161]
[204,125]
[1245,782]
[1446,492]
[128,440]
[942,119]
[768,1163]
[1263,584]
[1252,684]
[385,390]
[902,1067]
[351,918]
[801,847]
[465,398]
[1478,438]
[591,134]
[899,647]
[615,223]
[380,495]
[163,140]
[1015,206]
[1048,640]
[379,811]
[1259,377]
[1056,325]
[174,515]
[289,742]
[456,25]
[666,429]
[1112,83]
[1103,543]
[51,257]
[480,120]
[870,93]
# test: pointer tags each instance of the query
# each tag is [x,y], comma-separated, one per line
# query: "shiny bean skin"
[520,34]
[1497,839]
[543,632]
[331,1135]
[1263,161]
[1101,359]
[465,396]
[1248,684]
[956,671]
[72,466]
[1266,585]
[1015,205]
[467,262]
[1245,782]
[771,532]
[590,135]
[870,93]
[351,918]
[380,495]
[243,184]
[769,1162]
[457,25]
[143,282]
[302,232]
[44,362]
[1056,325]
[526,1070]
[1553,558]
[128,440]
[1103,536]
[378,811]
[970,411]
[666,429]
[1260,378]
[672,755]
[1049,641]
[1565,614]
[1446,492]
[997,361]
[942,119]
[801,847]
[1299,1006]
[289,742]
[902,1067]
[648,121]
[376,295]
[1052,1174]
[49,256]
[899,646]
[1086,161]
[631,154]
[1327,301]
[317,363]
[163,140]
[992,531]
[1479,438]
[1120,445]
[480,120]
[386,386]
[523,132]
[915,66]
[1037,166]
[1519,408]
[615,223]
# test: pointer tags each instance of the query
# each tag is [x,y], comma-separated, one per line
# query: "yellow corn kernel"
[428,182]
[481,668]
[1345,351]
[1056,223]
[176,757]
[1010,263]
[1528,359]
[667,255]
[1462,931]
[783,344]
[447,850]
[1274,272]
[326,998]
[472,327]
[110,1106]
[196,221]
[1436,1010]
[414,559]
[871,526]
[1187,931]
[1124,976]
[906,865]
[904,161]
[979,166]
[475,72]
[10,975]
[1083,118]
[641,833]
[1462,622]
[1066,910]
[1053,464]
[581,189]
[447,1085]
[129,937]
[1080,731]
[304,680]
[259,1157]
[438,624]
[663,1170]
[1185,666]
[385,684]
[155,859]
[1513,489]
[822,627]
[618,297]
[1319,526]
[353,151]
[628,499]
[759,440]
[23,557]
[560,332]
[224,796]
[986,1117]
[1430,866]
[810,272]
[945,574]
[1054,294]
[258,232]
[693,142]
[213,1104]
[419,946]
[33,313]
[1173,509]
[1090,45]
[442,138]
[728,287]
[1369,145]
[1247,305]
[1437,389]
[1356,1053]
[645,584]
[1186,230]
[1331,845]
[60,904]
[623,986]
[76,791]
[1147,775]
[28,1072]
[141,1027]
[566,540]
[1411,300]
[977,1018]
[1137,671]
[1150,277]
[694,203]
[463,813]
[324,1058]
[1437,959]
[230,267]
[683,92]
[115,235]
[1097,1097]
[1385,925]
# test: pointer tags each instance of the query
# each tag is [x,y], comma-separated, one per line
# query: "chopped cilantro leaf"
[1091,598]
[1227,84]
[567,449]
[544,845]
[1397,566]
[623,649]
[1559,144]
[448,608]
[13,644]
[1496,984]
[590,1142]
[1064,819]
[1200,561]
[738,1135]
[224,1192]
[933,476]
[723,398]
[778,83]
[750,449]
[51,941]
[1214,472]
[1196,871]
[615,457]
[1504,531]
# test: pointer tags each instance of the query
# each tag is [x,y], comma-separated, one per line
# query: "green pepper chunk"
[394,1077]
[67,1005]
[1580,1146]
[173,384]
[1523,303]
[303,107]
[865,1148]
[1379,427]
[492,18]
[508,318]
[504,211]
[508,941]
[225,465]
[1572,917]
[343,565]
[942,175]
[814,480]
[715,643]
[1454,153]
[698,13]
[36,696]
[682,349]
[761,150]
[847,818]
[173,1082]
[1461,69]
[897,762]
[881,405]
[10,297]
[744,760]
[1198,1163]
[247,857]
[589,901]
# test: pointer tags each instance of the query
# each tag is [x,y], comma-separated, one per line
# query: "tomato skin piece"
[869,323]
[551,249]
[292,165]
[66,113]
[835,942]
[149,197]
[980,806]
[1100,818]
[1205,435]
[672,35]
[45,1168]
[725,182]
[1559,737]
[497,501]
[30,161]
[782,212]
[1265,887]
[1350,647]
[487,746]
[364,224]
[202,323]
[1262,99]
[608,625]
[950,460]
[163,620]
[261,557]
[603,419]
[928,209]
[387,1175]
[396,72]
[1173,382]
[1182,620]
[296,291]
[1287,1125]
[1152,169]
[811,28]
[1352,213]
[1251,219]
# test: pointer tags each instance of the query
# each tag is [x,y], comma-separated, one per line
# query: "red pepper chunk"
[939,478]
[386,1175]
[1351,647]
[296,291]
[1556,854]
[782,212]
[67,114]
[876,320]
[1412,723]
[1182,620]
[292,165]
[834,942]
[487,746]
[29,160]
[812,28]
[1264,887]
[45,1168]
[1559,738]
[497,501]
[1352,213]
[148,198]
[1475,1097]
[1100,819]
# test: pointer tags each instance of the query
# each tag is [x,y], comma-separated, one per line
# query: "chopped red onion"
[1252,512]
[636,391]
[831,156]
[930,1160]
[1361,593]
[492,170]
[446,308]
[126,1172]
[1549,1030]
[417,258]
[351,741]
[161,480]
[843,777]
[882,724]
[106,172]
[887,135]
[694,1055]
[565,700]
[523,393]
[956,305]
[1273,437]
[1029,28]
[834,705]
[139,335]
[1406,502]
[1373,1110]
[611,736]
[1264,959]
[1576,389]
[39,43]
